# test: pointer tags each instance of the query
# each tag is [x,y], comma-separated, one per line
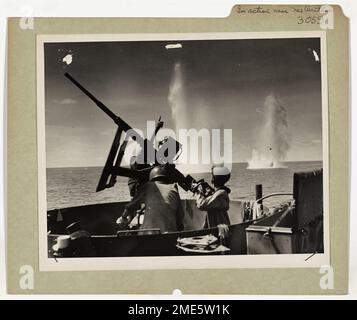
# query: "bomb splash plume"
[177,98]
[273,139]
[178,104]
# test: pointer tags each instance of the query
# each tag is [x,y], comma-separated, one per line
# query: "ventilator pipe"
[258,193]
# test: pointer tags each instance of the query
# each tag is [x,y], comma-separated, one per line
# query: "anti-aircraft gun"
[165,155]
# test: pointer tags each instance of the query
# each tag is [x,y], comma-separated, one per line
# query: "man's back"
[163,207]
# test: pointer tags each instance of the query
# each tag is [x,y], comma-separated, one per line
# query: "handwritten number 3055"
[310,20]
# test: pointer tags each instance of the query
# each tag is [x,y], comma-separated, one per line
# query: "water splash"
[273,140]
[191,112]
[177,98]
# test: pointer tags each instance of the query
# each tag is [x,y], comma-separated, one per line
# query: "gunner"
[163,208]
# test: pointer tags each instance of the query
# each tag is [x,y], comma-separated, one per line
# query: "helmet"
[220,175]
[159,173]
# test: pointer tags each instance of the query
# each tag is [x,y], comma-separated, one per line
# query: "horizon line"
[238,162]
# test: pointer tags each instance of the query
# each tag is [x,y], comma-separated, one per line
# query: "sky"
[225,83]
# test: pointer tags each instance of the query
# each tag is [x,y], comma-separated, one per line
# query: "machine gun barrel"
[117,120]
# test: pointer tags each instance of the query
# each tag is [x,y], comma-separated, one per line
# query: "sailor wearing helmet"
[163,208]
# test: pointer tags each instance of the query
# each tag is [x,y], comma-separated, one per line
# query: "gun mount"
[113,168]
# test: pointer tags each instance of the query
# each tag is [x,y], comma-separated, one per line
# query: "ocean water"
[67,187]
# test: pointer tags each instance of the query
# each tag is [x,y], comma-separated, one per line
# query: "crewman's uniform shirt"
[163,208]
[216,206]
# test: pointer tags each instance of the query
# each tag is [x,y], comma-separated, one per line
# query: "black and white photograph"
[156,147]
